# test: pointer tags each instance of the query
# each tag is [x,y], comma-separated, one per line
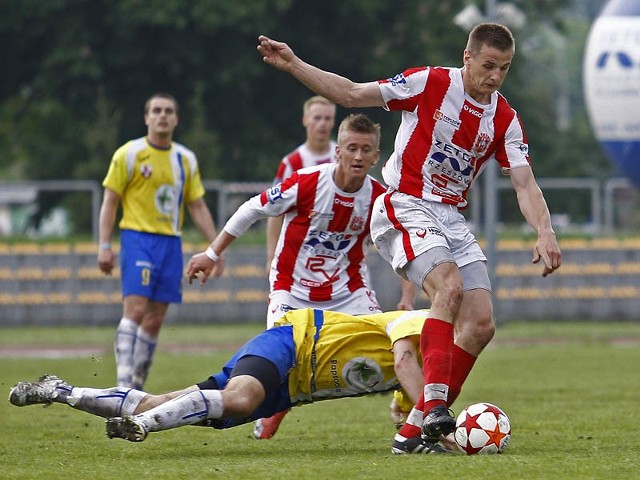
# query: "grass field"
[570,390]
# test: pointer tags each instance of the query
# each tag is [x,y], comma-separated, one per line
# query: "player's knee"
[147,402]
[152,323]
[485,330]
[478,329]
[239,406]
[452,294]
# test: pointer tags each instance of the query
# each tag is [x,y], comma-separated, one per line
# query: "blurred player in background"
[453,122]
[292,364]
[154,178]
[320,255]
[318,119]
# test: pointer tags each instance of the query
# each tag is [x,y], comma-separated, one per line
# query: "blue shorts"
[151,266]
[277,346]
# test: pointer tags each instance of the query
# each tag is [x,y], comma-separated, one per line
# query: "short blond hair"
[359,123]
[316,99]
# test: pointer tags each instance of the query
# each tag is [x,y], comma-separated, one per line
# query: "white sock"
[415,417]
[123,350]
[143,349]
[108,402]
[187,409]
[436,391]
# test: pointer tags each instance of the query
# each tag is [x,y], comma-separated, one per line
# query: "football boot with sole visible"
[44,391]
[126,427]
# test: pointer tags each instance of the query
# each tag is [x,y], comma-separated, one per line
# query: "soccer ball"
[482,428]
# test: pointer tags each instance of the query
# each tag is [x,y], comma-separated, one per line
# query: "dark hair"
[167,96]
[360,123]
[492,35]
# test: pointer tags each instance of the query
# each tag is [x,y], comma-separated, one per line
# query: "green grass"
[570,390]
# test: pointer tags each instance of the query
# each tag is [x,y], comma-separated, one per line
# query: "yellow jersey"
[154,185]
[340,355]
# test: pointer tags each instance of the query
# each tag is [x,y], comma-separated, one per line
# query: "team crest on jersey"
[441,117]
[357,223]
[364,374]
[146,171]
[166,199]
[482,143]
[524,148]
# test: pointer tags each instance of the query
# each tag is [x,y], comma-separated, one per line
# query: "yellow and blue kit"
[323,355]
[154,184]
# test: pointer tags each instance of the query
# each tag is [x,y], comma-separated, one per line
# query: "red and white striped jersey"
[445,137]
[302,157]
[320,255]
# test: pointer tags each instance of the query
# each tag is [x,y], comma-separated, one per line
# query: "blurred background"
[76,74]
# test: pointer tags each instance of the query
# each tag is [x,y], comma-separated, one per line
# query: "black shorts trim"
[259,368]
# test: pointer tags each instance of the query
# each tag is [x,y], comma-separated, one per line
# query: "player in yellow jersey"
[310,355]
[154,178]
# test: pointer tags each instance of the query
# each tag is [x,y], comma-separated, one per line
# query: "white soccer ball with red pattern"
[482,428]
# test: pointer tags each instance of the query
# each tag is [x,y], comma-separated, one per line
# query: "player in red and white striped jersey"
[320,255]
[318,119]
[453,122]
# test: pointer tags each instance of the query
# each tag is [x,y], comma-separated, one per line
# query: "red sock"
[436,345]
[461,364]
[410,430]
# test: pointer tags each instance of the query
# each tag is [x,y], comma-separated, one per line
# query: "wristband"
[105,246]
[213,256]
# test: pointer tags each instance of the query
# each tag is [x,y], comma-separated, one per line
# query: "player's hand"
[218,267]
[274,53]
[398,417]
[408,297]
[402,305]
[106,261]
[547,250]
[202,267]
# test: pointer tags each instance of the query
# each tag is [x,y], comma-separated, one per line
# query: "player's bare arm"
[336,88]
[274,225]
[535,211]
[107,219]
[202,218]
[407,367]
[408,295]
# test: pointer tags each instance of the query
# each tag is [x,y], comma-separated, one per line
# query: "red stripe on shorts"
[406,240]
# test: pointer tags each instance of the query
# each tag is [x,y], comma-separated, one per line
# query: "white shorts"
[403,227]
[362,301]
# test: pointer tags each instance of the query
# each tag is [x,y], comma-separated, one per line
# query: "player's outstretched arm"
[336,88]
